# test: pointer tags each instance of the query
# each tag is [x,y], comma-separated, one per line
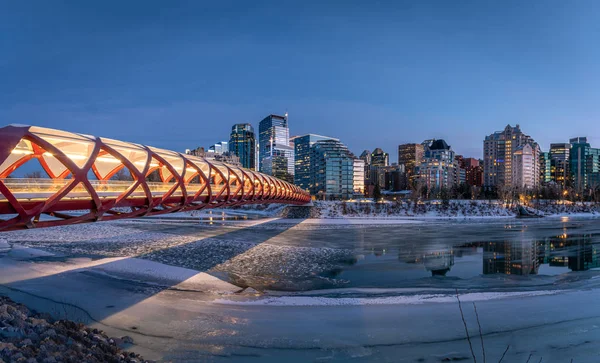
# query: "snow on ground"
[241,253]
[391,300]
[296,268]
[436,209]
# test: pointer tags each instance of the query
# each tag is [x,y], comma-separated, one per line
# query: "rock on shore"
[26,336]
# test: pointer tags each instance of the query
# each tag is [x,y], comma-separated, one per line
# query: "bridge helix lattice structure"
[50,178]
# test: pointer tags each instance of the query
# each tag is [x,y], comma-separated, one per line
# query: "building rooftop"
[439,145]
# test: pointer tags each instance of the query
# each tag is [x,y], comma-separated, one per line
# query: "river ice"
[273,290]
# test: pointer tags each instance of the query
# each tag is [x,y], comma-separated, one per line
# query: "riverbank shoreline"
[28,336]
[180,289]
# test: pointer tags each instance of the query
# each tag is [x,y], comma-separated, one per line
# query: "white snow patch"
[391,300]
[4,245]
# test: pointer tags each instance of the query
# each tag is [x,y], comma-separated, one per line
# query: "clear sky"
[179,74]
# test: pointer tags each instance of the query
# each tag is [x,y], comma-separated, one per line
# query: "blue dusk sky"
[179,74]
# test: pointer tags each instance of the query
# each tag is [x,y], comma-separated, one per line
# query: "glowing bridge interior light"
[100,191]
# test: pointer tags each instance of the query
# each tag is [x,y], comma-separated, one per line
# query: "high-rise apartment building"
[242,143]
[410,155]
[498,153]
[559,164]
[359,177]
[302,154]
[438,168]
[276,157]
[584,164]
[366,157]
[331,170]
[473,171]
[380,158]
[545,168]
[525,167]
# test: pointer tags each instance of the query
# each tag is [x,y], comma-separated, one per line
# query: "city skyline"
[458,71]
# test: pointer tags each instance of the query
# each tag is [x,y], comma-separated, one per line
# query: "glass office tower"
[331,170]
[242,142]
[584,164]
[302,145]
[276,157]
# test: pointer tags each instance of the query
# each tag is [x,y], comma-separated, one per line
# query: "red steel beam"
[193,183]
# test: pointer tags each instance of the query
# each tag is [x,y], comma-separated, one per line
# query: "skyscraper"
[331,170]
[302,145]
[410,156]
[359,177]
[498,151]
[380,158]
[545,168]
[584,164]
[438,169]
[276,157]
[242,142]
[525,167]
[559,164]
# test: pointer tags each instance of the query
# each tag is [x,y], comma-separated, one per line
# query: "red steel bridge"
[51,178]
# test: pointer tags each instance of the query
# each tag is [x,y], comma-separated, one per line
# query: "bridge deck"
[82,172]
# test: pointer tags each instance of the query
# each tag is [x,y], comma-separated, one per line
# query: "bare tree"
[34,175]
[122,175]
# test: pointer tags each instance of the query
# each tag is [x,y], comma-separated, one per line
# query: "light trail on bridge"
[82,180]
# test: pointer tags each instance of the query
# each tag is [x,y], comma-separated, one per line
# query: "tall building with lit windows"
[276,156]
[525,167]
[359,177]
[559,164]
[332,170]
[545,168]
[473,171]
[410,156]
[302,145]
[439,168]
[584,164]
[242,143]
[380,158]
[498,154]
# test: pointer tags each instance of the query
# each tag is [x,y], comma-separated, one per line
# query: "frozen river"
[349,290]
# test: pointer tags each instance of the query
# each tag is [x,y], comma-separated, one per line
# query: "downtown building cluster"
[426,169]
[513,162]
[322,165]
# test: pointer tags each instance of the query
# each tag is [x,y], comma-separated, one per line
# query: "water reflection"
[439,263]
[577,252]
[521,256]
[510,258]
[378,257]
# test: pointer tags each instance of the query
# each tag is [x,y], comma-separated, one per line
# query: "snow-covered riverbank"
[438,209]
[408,209]
[356,292]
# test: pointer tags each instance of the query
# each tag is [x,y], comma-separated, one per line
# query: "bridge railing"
[106,176]
[40,188]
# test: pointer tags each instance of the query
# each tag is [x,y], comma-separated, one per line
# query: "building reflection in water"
[510,258]
[513,257]
[577,252]
[439,262]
